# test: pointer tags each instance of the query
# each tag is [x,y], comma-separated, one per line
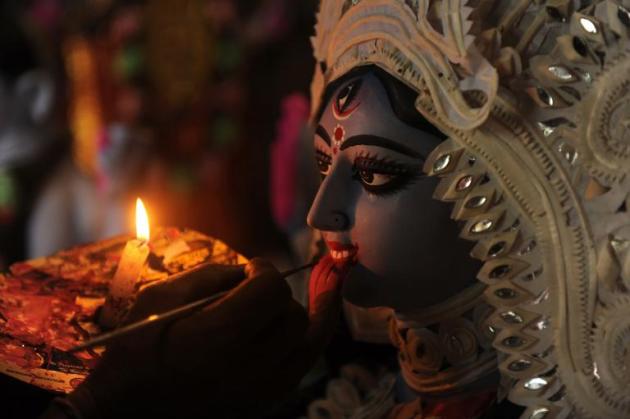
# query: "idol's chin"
[364,288]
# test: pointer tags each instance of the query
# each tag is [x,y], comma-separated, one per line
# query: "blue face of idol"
[374,206]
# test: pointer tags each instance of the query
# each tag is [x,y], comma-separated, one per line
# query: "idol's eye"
[382,177]
[346,98]
[371,178]
[324,161]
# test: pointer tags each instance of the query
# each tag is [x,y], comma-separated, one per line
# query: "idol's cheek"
[398,238]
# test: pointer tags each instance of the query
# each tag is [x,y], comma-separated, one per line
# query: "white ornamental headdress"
[535,99]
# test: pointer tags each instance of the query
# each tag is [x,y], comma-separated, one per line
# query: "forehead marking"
[339,134]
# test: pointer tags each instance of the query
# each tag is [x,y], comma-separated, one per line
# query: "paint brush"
[175,313]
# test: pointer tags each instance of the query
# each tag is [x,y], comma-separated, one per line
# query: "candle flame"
[142,221]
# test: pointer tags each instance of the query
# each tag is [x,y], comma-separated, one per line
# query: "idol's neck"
[445,350]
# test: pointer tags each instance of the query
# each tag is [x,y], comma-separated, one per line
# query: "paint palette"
[49,305]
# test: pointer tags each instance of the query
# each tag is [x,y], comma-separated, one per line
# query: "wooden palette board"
[48,305]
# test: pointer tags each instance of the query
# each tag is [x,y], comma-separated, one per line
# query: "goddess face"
[374,205]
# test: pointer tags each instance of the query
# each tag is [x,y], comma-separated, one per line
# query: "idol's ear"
[34,93]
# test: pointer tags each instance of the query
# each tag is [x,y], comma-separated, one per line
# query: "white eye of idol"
[374,179]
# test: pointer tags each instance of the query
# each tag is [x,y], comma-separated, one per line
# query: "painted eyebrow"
[380,142]
[321,131]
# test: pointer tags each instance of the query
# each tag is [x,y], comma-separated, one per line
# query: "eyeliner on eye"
[380,176]
[320,154]
[384,165]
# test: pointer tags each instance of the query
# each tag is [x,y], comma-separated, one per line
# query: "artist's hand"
[233,359]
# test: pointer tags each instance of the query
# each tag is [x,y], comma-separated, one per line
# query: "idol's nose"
[329,211]
[335,221]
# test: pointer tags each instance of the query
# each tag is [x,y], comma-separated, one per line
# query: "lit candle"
[132,262]
[133,258]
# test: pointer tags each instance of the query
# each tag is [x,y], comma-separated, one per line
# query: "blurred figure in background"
[87,195]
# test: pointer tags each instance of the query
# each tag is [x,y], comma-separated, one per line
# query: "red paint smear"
[12,352]
[39,319]
[32,315]
[21,268]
